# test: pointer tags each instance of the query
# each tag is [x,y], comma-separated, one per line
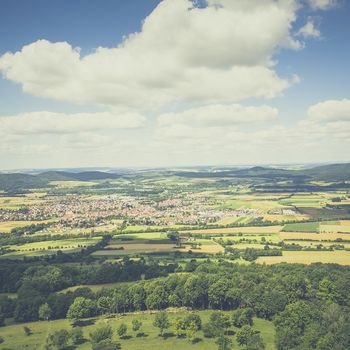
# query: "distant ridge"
[17,182]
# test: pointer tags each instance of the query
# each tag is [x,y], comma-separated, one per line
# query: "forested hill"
[17,182]
[333,172]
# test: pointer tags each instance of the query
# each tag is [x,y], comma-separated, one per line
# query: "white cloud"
[323,4]
[219,116]
[330,111]
[183,53]
[309,30]
[44,122]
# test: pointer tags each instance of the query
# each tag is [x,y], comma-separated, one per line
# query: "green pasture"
[15,338]
[50,247]
[302,227]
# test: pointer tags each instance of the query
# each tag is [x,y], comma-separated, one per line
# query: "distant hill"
[55,176]
[81,176]
[332,172]
[17,183]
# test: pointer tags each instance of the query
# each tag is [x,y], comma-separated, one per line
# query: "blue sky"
[150,102]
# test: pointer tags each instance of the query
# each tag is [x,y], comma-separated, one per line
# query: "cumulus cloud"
[220,53]
[44,122]
[309,30]
[330,111]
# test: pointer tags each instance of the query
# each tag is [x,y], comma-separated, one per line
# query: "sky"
[108,83]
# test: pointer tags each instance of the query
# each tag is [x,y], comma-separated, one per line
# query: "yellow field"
[251,229]
[302,257]
[18,202]
[71,184]
[275,217]
[314,236]
[341,227]
[40,248]
[7,226]
[213,248]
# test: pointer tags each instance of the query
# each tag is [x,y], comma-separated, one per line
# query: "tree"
[105,304]
[121,330]
[2,319]
[76,336]
[193,318]
[45,312]
[219,322]
[57,340]
[100,334]
[245,334]
[191,330]
[161,321]
[224,343]
[242,317]
[179,327]
[136,325]
[255,342]
[81,308]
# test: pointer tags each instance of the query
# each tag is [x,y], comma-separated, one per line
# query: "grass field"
[72,184]
[20,201]
[337,226]
[94,287]
[42,248]
[253,237]
[302,227]
[306,257]
[7,226]
[15,339]
[249,229]
[235,220]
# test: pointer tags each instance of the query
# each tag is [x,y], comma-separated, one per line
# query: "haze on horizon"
[173,82]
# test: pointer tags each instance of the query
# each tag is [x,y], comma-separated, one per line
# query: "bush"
[102,333]
[122,329]
[76,336]
[243,317]
[57,340]
[27,331]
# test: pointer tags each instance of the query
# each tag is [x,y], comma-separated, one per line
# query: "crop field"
[302,227]
[7,226]
[308,257]
[331,236]
[15,338]
[50,247]
[243,230]
[316,243]
[339,227]
[251,203]
[72,184]
[20,201]
[235,220]
[252,237]
[281,217]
